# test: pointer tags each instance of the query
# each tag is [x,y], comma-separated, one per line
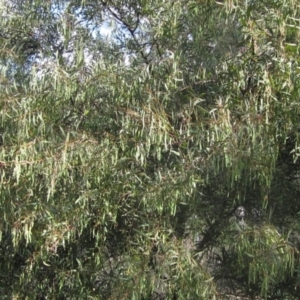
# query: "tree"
[125,159]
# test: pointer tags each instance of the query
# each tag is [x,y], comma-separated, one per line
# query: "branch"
[129,28]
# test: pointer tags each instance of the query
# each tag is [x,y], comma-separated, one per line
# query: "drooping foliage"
[131,134]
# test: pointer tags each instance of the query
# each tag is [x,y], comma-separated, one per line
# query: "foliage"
[125,156]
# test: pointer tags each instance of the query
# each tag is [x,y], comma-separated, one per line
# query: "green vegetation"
[125,157]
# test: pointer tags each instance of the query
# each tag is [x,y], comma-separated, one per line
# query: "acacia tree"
[125,158]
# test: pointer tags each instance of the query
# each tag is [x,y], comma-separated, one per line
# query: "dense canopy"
[149,149]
